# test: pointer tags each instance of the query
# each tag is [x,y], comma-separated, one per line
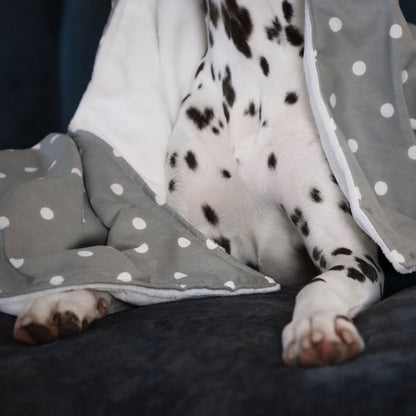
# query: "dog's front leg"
[321,331]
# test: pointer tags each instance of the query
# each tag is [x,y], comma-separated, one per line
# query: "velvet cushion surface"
[210,356]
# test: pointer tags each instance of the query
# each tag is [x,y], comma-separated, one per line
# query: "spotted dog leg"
[321,331]
[60,315]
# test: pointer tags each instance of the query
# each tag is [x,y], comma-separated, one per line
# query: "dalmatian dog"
[245,166]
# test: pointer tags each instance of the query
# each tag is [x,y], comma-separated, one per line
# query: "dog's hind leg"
[60,315]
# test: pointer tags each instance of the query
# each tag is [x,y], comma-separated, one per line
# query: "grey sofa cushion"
[217,356]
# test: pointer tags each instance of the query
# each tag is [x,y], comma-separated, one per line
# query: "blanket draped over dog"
[86,209]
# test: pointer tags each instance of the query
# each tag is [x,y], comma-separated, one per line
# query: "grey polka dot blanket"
[87,209]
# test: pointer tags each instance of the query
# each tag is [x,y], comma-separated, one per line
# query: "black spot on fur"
[190,160]
[273,31]
[299,221]
[316,196]
[333,179]
[215,130]
[291,98]
[212,73]
[200,68]
[210,39]
[172,185]
[214,13]
[221,124]
[253,266]
[293,35]
[264,124]
[367,269]
[344,206]
[316,279]
[337,268]
[272,161]
[225,243]
[201,120]
[296,216]
[302,52]
[185,98]
[283,208]
[226,173]
[316,253]
[322,263]
[287,10]
[226,112]
[210,215]
[172,159]
[260,112]
[264,65]
[251,109]
[237,25]
[200,86]
[342,250]
[227,87]
[304,229]
[372,261]
[355,274]
[204,6]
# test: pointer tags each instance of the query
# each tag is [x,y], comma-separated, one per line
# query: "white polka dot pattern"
[124,277]
[16,263]
[143,248]
[387,110]
[212,245]
[381,188]
[230,284]
[353,145]
[396,31]
[335,24]
[359,68]
[85,253]
[179,275]
[56,280]
[412,152]
[183,242]
[4,222]
[139,223]
[117,189]
[47,214]
[76,171]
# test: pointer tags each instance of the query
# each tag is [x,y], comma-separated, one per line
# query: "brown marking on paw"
[102,306]
[60,326]
[315,350]
[36,334]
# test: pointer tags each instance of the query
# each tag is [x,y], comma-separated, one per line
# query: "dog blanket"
[87,209]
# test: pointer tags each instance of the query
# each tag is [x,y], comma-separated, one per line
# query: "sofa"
[210,356]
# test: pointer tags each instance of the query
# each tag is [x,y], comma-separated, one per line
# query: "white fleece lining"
[333,150]
[144,67]
[136,295]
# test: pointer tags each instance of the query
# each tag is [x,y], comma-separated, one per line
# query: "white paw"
[59,315]
[322,339]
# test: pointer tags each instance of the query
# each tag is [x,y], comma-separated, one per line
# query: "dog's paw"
[320,340]
[58,315]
